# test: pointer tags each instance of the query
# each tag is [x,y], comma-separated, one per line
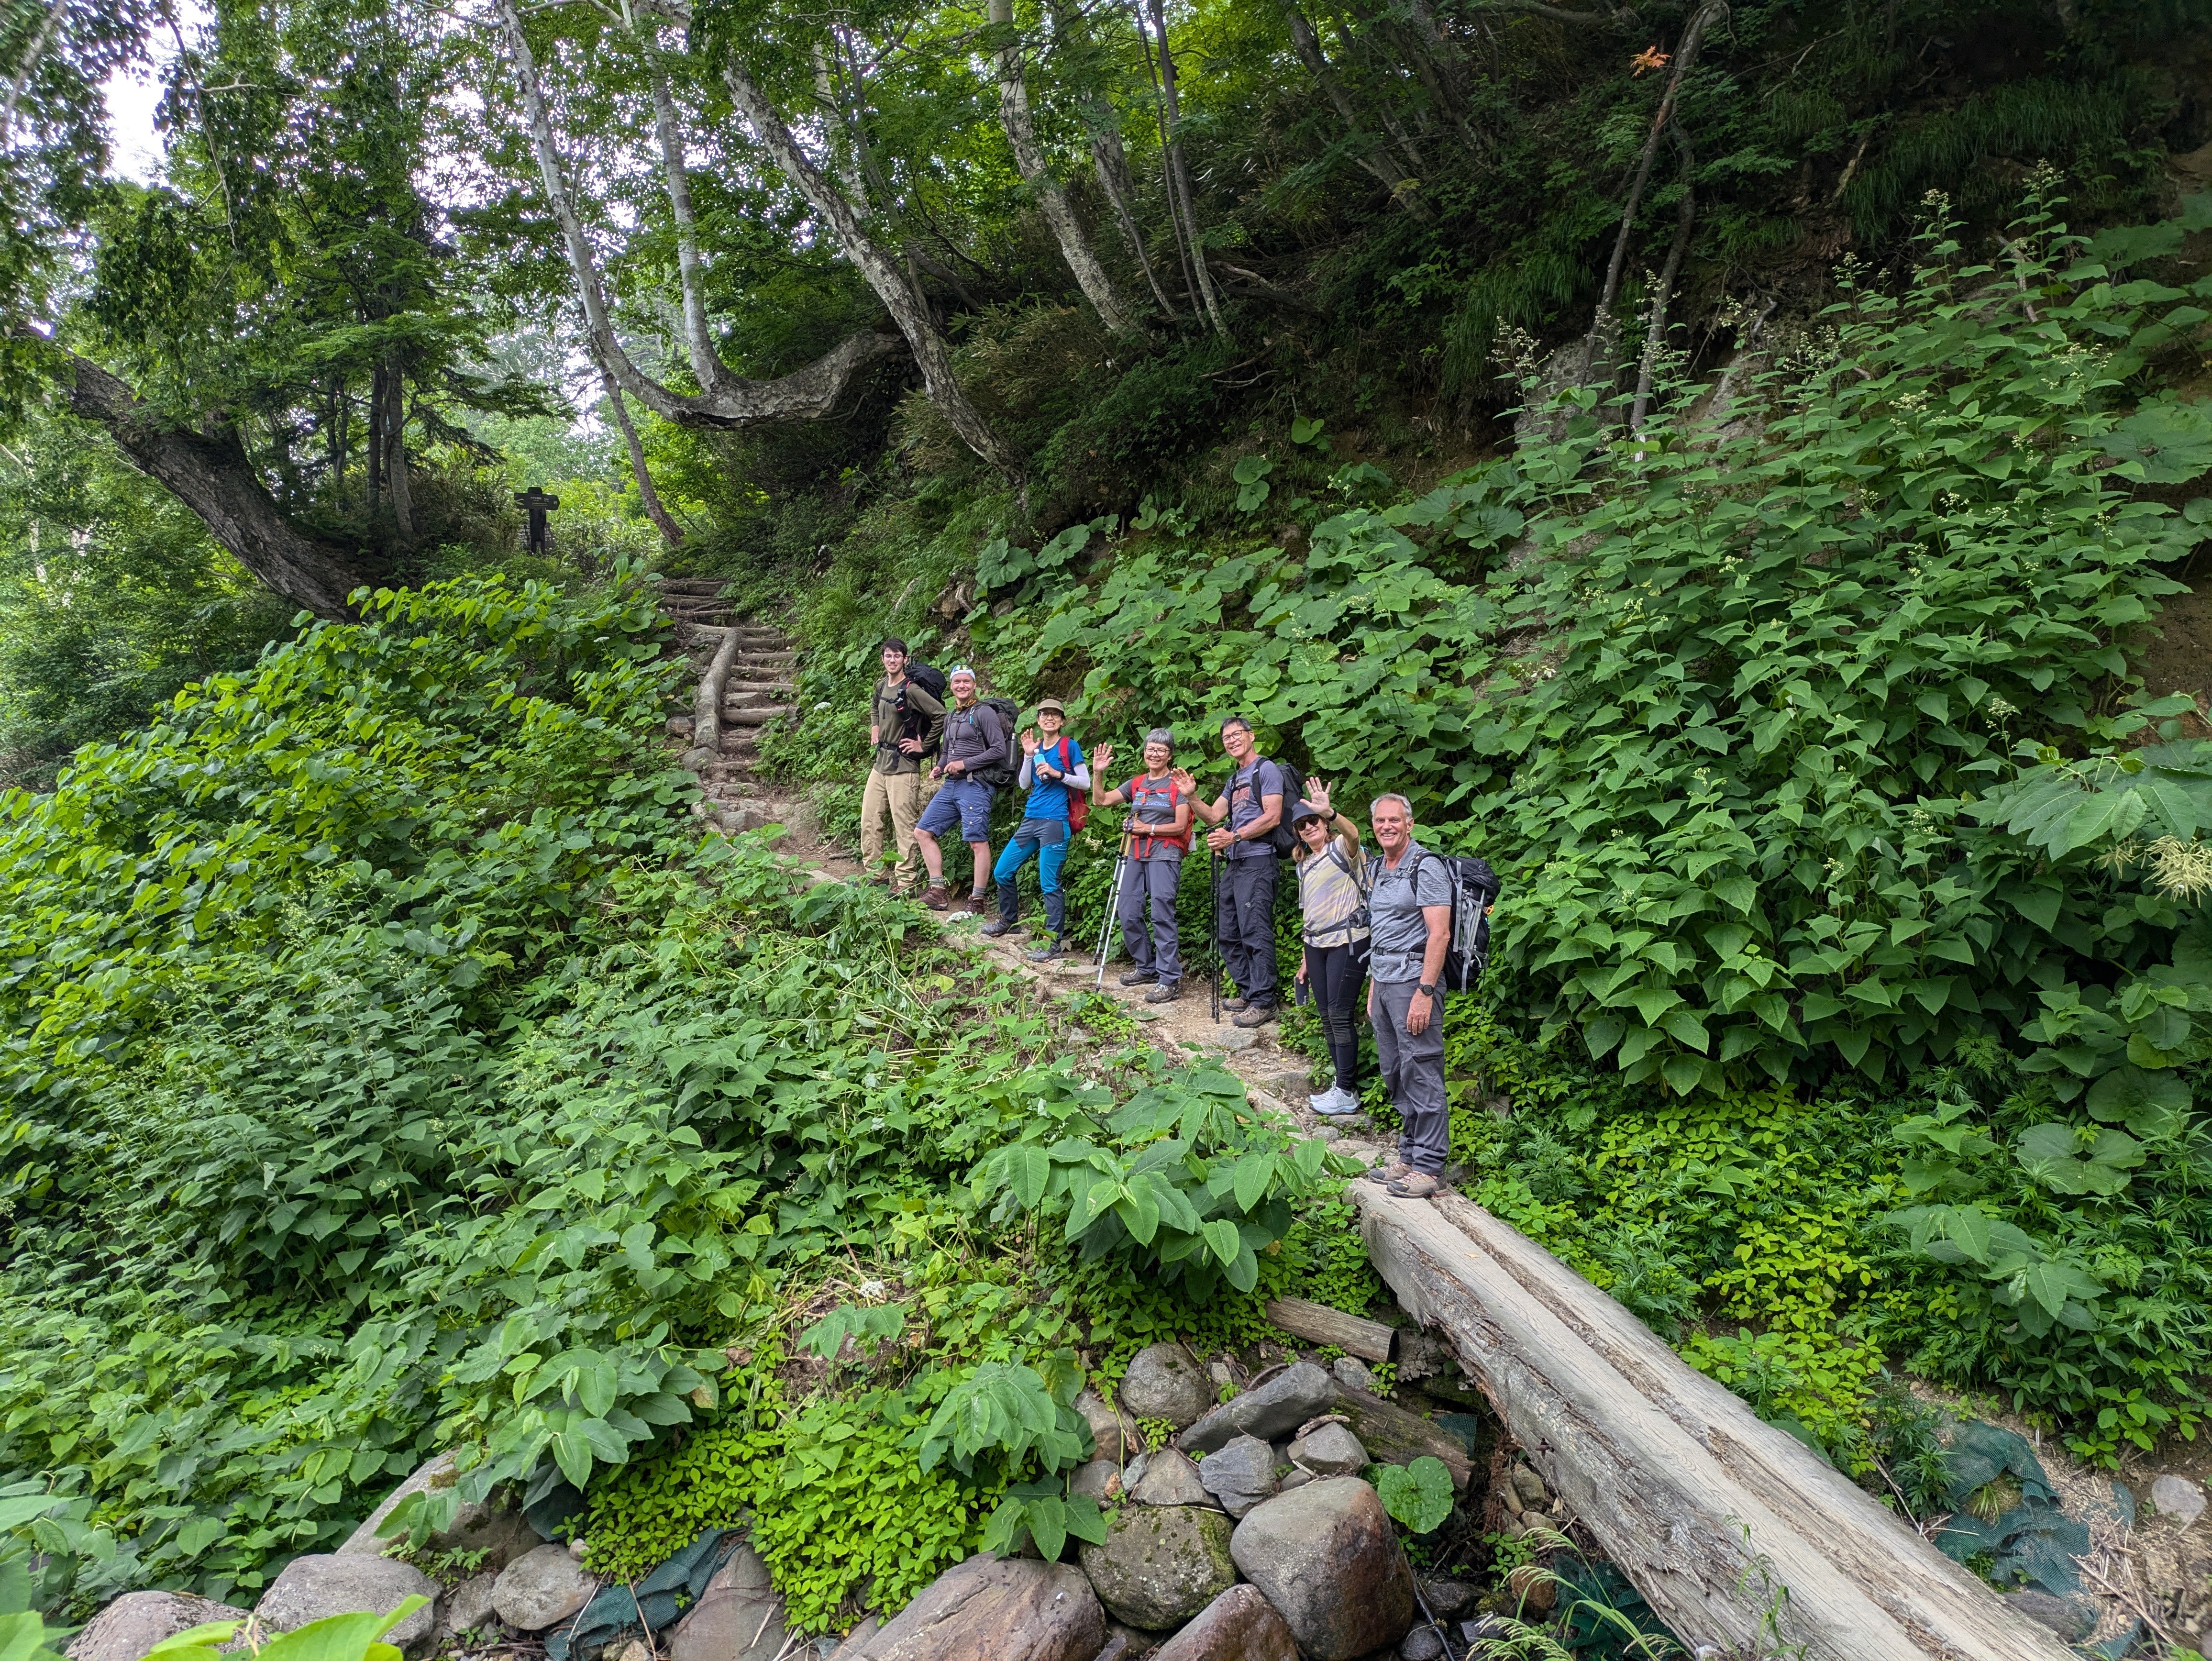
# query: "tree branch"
[212,476]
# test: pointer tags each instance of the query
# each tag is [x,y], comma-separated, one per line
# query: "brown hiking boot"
[934,897]
[1165,991]
[1396,1172]
[1418,1186]
[1254,1014]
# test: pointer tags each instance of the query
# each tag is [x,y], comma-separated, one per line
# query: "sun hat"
[1053,704]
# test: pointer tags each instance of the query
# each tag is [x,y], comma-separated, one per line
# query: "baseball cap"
[1304,811]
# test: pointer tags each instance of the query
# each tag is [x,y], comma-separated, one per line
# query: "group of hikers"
[1382,922]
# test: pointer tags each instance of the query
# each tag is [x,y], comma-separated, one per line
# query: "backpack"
[1007,767]
[1172,839]
[931,681]
[1475,889]
[1282,838]
[1079,805]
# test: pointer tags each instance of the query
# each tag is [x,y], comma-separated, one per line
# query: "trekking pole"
[1112,906]
[1213,975]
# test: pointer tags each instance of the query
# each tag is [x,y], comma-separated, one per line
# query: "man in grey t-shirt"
[1244,910]
[1409,913]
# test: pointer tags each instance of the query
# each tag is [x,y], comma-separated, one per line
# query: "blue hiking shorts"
[961,801]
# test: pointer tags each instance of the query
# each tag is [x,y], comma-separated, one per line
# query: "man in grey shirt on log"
[1409,906]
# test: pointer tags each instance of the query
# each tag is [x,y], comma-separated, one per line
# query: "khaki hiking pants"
[901,795]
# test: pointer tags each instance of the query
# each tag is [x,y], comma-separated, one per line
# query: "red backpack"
[1079,805]
[1174,799]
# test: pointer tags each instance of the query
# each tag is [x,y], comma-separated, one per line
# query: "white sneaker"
[1334,1102]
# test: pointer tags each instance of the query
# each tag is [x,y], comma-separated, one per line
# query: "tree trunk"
[1655,333]
[395,463]
[726,399]
[375,438]
[1739,1535]
[900,298]
[212,476]
[1301,1318]
[1111,163]
[1178,174]
[1401,188]
[1051,199]
[1182,233]
[1600,342]
[647,496]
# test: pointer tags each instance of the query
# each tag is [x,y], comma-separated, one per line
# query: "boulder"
[1297,1393]
[857,1640]
[542,1588]
[1240,1625]
[985,1609]
[1446,1598]
[1115,1430]
[1297,1478]
[468,1606]
[137,1620]
[1100,1480]
[2178,1498]
[738,1617]
[1352,1373]
[1239,1476]
[325,1584]
[1171,1478]
[1326,1557]
[1165,1381]
[1330,1450]
[502,1534]
[1160,1564]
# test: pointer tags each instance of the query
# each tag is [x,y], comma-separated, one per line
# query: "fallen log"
[1393,1436]
[1318,1323]
[706,707]
[1736,1532]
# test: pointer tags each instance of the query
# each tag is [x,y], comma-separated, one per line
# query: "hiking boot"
[1139,977]
[996,926]
[1254,1014]
[1054,947]
[935,898]
[1396,1172]
[1236,1003]
[1165,991]
[1419,1185]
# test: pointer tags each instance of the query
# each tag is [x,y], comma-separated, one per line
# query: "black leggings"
[1335,974]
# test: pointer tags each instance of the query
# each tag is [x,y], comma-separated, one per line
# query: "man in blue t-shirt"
[1244,908]
[1052,765]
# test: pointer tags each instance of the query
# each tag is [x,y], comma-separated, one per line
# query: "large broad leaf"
[2149,1104]
[2171,442]
[1419,1495]
[2052,1155]
[23,1638]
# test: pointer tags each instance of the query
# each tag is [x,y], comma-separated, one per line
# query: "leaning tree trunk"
[1403,187]
[1597,347]
[726,399]
[212,476]
[648,498]
[1178,175]
[1742,1537]
[1052,200]
[877,265]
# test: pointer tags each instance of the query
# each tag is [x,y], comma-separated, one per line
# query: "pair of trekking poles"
[1122,861]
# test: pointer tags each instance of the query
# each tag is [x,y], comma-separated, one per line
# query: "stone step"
[752,698]
[761,662]
[758,715]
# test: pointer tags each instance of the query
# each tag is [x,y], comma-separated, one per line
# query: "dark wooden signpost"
[537,504]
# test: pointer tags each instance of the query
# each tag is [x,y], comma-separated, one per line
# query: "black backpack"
[1008,768]
[1475,889]
[931,681]
[1282,838]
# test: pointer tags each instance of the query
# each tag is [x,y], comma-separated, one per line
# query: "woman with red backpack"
[1158,834]
[1053,771]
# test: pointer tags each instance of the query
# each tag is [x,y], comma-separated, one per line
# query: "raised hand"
[1102,758]
[1317,794]
[1183,781]
[1030,742]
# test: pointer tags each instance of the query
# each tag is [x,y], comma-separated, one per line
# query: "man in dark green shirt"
[905,724]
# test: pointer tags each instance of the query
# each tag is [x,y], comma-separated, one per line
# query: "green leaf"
[2150,1104]
[1419,1495]
[1028,1168]
[1255,1174]
[1224,1241]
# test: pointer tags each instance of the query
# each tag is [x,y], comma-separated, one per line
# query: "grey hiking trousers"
[1413,1069]
[1148,896]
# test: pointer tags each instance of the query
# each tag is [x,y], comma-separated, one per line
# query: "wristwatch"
[1426,991]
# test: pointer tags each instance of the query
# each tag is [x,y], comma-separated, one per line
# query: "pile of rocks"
[1252,1536]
